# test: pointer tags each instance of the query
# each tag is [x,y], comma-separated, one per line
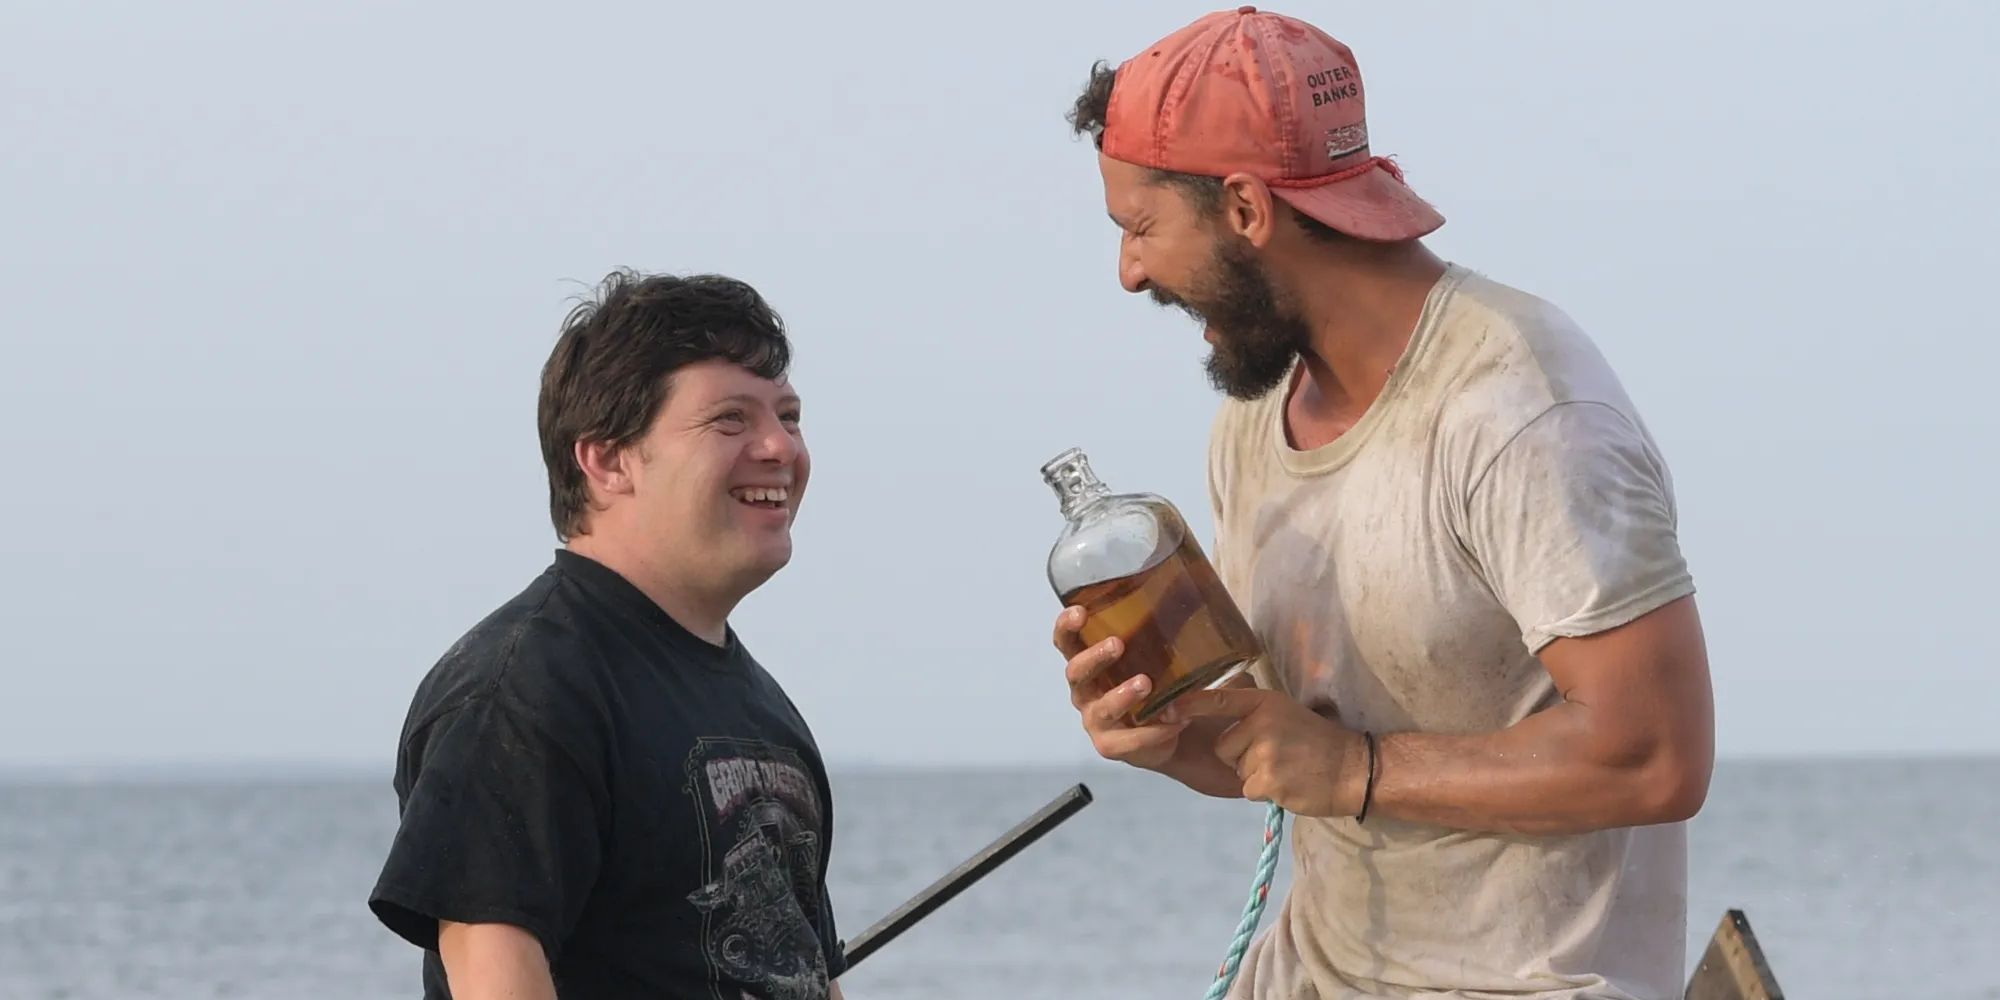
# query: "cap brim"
[1371,206]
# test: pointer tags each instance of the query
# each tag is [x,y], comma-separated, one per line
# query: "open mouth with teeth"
[764,497]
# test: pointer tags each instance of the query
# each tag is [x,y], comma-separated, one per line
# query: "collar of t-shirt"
[606,584]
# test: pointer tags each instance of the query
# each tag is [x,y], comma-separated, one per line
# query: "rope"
[1253,910]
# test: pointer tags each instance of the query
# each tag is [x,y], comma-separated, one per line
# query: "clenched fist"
[1284,752]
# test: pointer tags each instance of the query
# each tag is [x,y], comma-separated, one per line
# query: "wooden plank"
[1733,967]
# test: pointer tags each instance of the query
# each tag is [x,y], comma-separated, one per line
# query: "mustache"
[1162,297]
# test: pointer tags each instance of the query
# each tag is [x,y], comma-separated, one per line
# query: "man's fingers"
[1087,664]
[1230,745]
[1221,703]
[1120,743]
[1257,789]
[1068,634]
[1109,710]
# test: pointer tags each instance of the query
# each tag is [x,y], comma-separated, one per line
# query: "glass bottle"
[1137,571]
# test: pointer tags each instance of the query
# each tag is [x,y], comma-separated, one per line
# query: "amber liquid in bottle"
[1179,625]
[1168,617]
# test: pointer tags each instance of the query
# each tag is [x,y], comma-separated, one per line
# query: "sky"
[278,280]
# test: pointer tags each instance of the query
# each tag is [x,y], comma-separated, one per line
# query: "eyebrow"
[744,398]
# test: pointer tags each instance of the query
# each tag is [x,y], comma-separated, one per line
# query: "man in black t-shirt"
[603,794]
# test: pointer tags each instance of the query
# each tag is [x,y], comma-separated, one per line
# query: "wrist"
[1360,774]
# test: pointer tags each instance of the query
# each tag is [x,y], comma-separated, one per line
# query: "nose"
[775,443]
[1131,274]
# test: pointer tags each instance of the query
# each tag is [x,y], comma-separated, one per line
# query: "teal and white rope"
[1253,910]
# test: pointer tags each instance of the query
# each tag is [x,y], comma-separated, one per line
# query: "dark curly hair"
[613,365]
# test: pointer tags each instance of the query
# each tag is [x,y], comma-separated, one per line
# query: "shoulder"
[1509,363]
[1510,355]
[528,657]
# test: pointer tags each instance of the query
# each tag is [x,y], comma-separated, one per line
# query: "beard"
[1257,334]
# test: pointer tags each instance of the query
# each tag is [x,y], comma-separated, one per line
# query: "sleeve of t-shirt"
[499,826]
[1573,524]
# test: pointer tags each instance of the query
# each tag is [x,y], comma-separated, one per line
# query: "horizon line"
[169,770]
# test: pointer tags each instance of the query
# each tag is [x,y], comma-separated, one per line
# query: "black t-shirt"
[649,805]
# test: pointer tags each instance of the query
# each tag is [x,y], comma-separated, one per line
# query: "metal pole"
[976,867]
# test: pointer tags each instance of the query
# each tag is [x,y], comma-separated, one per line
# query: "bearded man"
[1486,697]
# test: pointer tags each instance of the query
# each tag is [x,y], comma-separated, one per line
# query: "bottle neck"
[1076,486]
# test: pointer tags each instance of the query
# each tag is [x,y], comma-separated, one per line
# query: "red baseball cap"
[1271,96]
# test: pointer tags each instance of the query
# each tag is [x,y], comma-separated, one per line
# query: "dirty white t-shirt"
[1502,492]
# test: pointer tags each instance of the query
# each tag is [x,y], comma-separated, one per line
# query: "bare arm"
[1631,745]
[1632,742]
[835,994]
[494,962]
[1575,513]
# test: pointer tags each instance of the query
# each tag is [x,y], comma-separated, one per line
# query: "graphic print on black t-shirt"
[760,814]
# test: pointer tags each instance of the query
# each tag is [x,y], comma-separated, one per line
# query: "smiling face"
[716,481]
[1182,255]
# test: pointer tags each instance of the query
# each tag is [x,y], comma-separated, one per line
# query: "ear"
[1248,209]
[606,466]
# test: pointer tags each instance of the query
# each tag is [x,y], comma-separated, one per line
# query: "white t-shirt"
[1501,492]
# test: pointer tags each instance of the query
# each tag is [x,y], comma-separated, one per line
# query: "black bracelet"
[1368,790]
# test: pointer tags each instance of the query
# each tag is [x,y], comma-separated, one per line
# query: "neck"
[702,613]
[1362,302]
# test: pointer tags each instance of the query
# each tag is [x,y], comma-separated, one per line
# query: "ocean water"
[1862,880]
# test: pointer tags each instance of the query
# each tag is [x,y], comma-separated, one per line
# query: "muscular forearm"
[1631,743]
[1549,774]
